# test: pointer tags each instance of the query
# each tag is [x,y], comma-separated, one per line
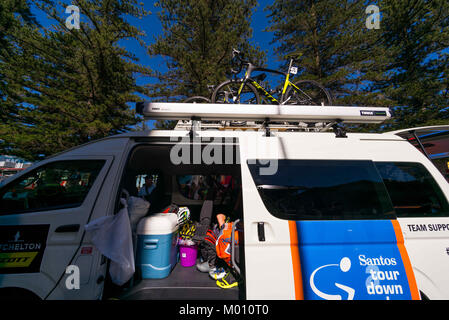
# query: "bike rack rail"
[263,116]
[262,112]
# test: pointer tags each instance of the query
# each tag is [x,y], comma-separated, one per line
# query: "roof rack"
[228,125]
[199,116]
[262,112]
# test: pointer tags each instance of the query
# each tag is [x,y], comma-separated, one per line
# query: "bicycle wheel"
[197,99]
[227,92]
[308,92]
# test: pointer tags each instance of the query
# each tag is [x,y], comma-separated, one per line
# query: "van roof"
[155,133]
[236,133]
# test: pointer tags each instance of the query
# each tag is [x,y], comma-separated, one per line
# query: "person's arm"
[221,218]
[150,189]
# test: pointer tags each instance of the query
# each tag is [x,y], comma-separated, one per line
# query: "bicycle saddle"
[260,77]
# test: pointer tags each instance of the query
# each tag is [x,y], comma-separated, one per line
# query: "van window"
[196,187]
[62,184]
[412,190]
[323,189]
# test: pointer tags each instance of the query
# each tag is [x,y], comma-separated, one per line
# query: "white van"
[323,215]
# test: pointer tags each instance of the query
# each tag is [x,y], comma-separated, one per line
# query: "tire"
[310,93]
[227,92]
[197,99]
[423,296]
[17,294]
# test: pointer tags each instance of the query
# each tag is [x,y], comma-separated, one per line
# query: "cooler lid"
[160,223]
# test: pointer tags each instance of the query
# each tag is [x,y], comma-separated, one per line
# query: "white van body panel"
[428,252]
[386,147]
[61,249]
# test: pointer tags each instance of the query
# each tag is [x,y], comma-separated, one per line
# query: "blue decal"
[346,260]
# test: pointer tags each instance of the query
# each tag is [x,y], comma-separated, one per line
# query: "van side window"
[196,187]
[62,184]
[323,190]
[412,190]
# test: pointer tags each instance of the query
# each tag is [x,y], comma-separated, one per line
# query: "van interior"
[184,185]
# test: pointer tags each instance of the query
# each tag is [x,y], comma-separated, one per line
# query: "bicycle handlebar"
[237,54]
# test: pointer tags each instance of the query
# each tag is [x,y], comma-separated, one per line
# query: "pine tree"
[13,14]
[197,41]
[69,86]
[331,39]
[414,75]
[403,64]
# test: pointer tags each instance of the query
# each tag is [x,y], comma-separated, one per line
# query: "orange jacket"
[223,244]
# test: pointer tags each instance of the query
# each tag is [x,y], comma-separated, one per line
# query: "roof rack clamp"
[266,127]
[339,131]
[196,126]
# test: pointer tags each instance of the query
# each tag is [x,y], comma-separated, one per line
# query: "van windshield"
[323,189]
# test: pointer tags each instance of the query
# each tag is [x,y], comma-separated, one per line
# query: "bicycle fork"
[242,85]
[287,81]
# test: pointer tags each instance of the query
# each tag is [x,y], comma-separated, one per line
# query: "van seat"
[204,220]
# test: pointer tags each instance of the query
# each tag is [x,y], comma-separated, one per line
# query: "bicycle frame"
[262,90]
[251,68]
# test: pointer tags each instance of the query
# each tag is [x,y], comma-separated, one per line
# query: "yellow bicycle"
[246,90]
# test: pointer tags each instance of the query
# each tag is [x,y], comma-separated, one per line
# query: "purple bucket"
[187,255]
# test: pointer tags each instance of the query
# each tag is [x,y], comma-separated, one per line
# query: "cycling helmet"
[183,215]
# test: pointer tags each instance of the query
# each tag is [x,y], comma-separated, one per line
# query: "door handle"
[68,228]
[261,231]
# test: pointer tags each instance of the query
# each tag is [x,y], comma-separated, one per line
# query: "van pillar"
[413,132]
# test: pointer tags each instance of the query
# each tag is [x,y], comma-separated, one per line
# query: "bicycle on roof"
[246,90]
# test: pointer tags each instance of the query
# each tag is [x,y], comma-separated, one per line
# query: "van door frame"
[164,140]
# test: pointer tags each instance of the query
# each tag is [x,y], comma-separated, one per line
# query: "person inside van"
[184,184]
[147,188]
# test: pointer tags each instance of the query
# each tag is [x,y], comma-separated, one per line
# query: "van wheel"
[17,294]
[423,296]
